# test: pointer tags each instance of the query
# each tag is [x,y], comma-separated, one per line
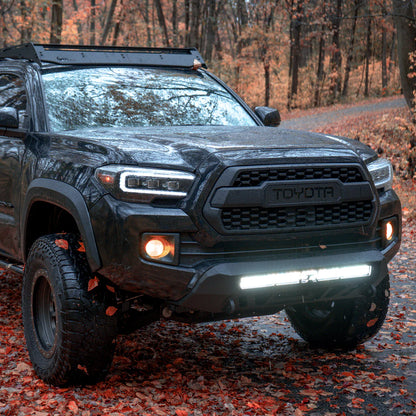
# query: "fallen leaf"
[93,283]
[73,407]
[81,247]
[62,243]
[111,288]
[372,322]
[111,310]
[82,368]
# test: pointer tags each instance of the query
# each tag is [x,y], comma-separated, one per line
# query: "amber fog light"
[160,247]
[389,231]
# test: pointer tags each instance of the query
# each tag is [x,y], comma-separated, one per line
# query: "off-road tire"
[69,335]
[342,323]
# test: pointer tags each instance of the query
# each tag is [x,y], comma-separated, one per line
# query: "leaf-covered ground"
[252,366]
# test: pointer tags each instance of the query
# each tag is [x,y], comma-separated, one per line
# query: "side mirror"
[9,118]
[269,116]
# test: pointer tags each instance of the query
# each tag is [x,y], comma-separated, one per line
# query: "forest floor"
[316,119]
[253,366]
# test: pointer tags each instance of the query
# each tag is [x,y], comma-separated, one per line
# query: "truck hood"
[187,147]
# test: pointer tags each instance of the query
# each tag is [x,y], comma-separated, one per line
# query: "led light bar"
[305,276]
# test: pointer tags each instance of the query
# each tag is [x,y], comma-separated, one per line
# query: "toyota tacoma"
[135,185]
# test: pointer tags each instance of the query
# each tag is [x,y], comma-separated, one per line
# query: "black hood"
[187,147]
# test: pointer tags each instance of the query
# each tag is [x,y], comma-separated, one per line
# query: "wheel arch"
[55,195]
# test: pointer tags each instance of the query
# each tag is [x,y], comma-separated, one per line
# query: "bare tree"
[404,19]
[56,21]
[108,21]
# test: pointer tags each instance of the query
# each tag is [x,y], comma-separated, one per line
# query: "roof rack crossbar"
[103,55]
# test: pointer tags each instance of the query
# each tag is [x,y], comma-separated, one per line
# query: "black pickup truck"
[136,185]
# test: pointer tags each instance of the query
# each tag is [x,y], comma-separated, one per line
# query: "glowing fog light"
[305,276]
[156,248]
[389,231]
[160,247]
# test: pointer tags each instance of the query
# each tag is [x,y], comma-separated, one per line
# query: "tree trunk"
[406,44]
[79,26]
[162,21]
[367,59]
[350,55]
[383,50]
[320,69]
[194,40]
[383,60]
[187,8]
[295,53]
[56,21]
[92,23]
[175,23]
[109,21]
[393,49]
[266,66]
[336,56]
[210,29]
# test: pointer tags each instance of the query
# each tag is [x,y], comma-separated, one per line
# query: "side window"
[13,94]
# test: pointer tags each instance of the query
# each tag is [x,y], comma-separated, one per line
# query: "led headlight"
[144,184]
[382,173]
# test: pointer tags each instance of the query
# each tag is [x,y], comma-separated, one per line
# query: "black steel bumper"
[212,284]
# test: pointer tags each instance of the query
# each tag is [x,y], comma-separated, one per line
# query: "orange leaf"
[73,407]
[82,368]
[62,244]
[361,356]
[110,288]
[81,248]
[347,374]
[111,310]
[181,412]
[93,283]
[372,322]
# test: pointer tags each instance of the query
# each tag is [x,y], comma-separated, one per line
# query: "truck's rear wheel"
[68,329]
[341,323]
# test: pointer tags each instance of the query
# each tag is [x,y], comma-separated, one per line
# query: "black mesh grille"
[346,174]
[255,218]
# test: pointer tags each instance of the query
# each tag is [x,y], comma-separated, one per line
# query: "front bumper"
[210,281]
[218,289]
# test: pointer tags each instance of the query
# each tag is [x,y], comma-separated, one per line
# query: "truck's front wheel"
[342,323]
[69,332]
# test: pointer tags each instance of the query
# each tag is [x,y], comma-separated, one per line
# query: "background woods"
[286,54]
[283,53]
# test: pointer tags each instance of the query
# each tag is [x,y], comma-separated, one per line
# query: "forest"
[282,53]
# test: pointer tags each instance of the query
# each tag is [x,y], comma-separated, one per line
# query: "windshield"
[138,97]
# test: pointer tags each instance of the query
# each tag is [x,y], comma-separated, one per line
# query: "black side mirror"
[269,116]
[9,118]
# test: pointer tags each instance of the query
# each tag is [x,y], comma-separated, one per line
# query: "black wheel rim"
[44,311]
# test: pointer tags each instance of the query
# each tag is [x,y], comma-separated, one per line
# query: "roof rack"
[104,55]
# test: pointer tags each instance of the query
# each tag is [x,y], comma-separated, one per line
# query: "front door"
[12,94]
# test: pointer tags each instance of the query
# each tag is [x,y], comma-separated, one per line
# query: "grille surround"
[354,207]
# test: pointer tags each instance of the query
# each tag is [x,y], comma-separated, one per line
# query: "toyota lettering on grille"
[302,193]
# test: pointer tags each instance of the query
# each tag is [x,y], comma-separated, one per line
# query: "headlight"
[382,173]
[144,184]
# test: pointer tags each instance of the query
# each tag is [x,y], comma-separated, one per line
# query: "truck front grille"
[303,197]
[255,218]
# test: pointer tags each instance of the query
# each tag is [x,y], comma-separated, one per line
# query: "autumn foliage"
[287,53]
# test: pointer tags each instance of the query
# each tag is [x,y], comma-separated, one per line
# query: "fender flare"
[71,200]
